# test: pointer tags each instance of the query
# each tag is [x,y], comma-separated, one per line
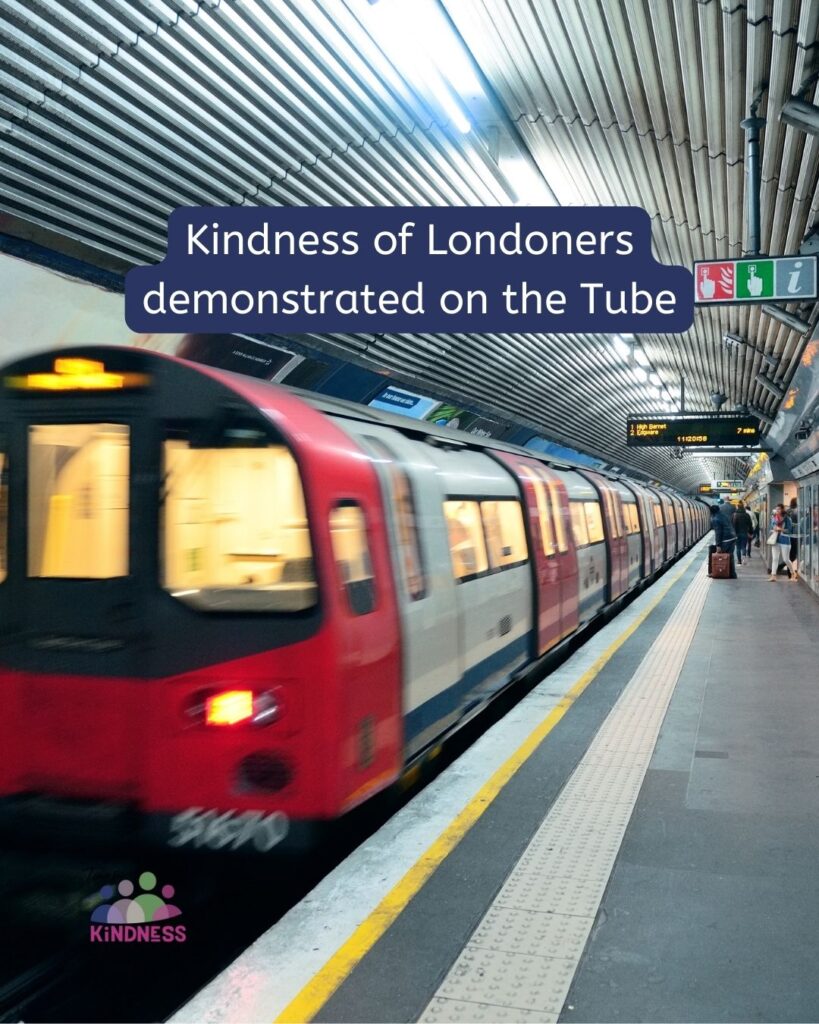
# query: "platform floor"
[637,841]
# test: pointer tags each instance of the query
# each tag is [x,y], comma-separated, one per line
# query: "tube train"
[231,612]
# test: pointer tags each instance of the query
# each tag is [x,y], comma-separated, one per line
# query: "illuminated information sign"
[692,431]
[754,279]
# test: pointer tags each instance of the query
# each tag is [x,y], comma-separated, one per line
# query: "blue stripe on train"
[453,698]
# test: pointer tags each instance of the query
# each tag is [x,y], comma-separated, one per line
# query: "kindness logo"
[136,918]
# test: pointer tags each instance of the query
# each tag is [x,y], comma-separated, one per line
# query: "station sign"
[692,431]
[755,279]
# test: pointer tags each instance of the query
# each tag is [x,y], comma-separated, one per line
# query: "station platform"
[636,841]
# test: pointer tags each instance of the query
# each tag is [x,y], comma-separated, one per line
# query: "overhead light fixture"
[799,114]
[770,385]
[733,340]
[803,432]
[761,416]
[640,356]
[419,40]
[786,318]
[640,373]
[656,379]
[621,346]
[527,184]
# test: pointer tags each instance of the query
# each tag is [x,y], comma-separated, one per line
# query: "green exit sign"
[755,279]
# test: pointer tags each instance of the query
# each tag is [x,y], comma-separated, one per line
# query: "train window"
[631,517]
[546,535]
[579,527]
[234,534]
[557,515]
[466,540]
[78,500]
[505,535]
[672,518]
[4,514]
[409,547]
[611,513]
[658,515]
[594,521]
[348,534]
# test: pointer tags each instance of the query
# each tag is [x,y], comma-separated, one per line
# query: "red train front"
[183,654]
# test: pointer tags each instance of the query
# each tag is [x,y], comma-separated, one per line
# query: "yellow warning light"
[76,374]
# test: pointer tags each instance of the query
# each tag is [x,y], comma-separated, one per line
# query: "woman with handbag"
[779,542]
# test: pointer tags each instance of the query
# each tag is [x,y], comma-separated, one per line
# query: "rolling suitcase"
[721,565]
[712,550]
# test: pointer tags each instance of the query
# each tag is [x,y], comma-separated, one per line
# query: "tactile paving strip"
[519,963]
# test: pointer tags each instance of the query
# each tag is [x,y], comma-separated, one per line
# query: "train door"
[489,561]
[426,596]
[554,565]
[615,535]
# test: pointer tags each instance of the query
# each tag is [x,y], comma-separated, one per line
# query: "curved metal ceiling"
[113,112]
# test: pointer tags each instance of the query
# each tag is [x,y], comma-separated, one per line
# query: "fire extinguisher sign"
[755,279]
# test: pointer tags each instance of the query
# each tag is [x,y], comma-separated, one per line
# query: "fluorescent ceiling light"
[656,379]
[528,187]
[799,114]
[784,317]
[621,346]
[641,357]
[419,40]
[770,385]
[640,373]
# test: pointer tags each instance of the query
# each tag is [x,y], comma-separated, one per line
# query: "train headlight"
[229,707]
[234,707]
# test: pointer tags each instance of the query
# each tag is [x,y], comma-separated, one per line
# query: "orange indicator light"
[229,707]
[75,374]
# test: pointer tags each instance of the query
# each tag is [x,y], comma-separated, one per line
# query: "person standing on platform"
[743,527]
[753,540]
[793,515]
[724,536]
[779,541]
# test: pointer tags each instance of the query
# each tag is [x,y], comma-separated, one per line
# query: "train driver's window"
[466,540]
[579,527]
[235,536]
[505,535]
[594,522]
[78,500]
[348,534]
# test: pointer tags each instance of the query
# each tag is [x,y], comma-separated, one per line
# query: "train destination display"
[694,431]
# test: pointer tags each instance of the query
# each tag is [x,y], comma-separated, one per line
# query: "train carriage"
[230,611]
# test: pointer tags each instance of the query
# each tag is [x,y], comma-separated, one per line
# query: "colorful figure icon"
[145,908]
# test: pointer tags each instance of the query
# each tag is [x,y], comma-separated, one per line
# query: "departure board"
[692,431]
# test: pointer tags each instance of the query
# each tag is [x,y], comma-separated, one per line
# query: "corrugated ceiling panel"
[112,112]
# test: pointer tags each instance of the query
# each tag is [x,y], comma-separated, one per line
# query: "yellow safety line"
[328,978]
